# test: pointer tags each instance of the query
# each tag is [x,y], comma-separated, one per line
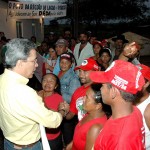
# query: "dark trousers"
[1,68]
[67,128]
[34,83]
[56,144]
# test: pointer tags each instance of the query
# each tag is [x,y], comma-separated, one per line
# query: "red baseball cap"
[88,64]
[104,42]
[97,42]
[145,71]
[121,74]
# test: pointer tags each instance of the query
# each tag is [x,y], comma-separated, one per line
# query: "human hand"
[61,106]
[131,50]
[46,65]
[40,93]
[64,106]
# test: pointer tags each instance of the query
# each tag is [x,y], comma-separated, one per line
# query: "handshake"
[64,106]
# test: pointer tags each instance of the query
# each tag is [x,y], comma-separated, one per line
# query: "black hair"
[105,50]
[97,92]
[67,29]
[33,37]
[84,32]
[93,34]
[3,38]
[98,98]
[74,38]
[43,42]
[71,55]
[57,90]
[52,46]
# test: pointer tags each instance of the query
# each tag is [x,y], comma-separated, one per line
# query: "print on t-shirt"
[79,106]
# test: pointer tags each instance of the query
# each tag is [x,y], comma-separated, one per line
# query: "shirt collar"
[16,76]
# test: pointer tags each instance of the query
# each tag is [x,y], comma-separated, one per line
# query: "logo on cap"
[119,82]
[137,79]
[84,63]
[88,64]
[118,75]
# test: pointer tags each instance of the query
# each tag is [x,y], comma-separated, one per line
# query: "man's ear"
[114,92]
[146,84]
[19,63]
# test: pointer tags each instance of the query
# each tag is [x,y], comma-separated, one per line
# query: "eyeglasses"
[34,61]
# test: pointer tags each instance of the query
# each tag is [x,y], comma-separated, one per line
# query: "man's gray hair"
[129,97]
[17,49]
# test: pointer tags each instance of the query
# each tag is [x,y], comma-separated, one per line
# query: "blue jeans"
[10,146]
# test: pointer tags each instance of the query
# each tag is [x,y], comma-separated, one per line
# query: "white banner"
[32,10]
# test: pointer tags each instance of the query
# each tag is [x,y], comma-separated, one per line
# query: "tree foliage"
[96,11]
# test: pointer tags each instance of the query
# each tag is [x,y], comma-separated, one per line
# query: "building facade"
[20,28]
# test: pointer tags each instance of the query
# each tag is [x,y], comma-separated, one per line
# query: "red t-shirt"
[81,130]
[126,133]
[77,101]
[52,102]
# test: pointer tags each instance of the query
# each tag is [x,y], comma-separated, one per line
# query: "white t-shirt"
[52,63]
[142,108]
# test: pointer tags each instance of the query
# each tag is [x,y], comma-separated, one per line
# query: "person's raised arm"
[130,50]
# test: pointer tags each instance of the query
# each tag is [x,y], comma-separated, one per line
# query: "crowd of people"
[86,93]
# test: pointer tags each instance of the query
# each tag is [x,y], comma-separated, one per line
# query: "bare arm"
[63,107]
[92,135]
[147,115]
[69,146]
[70,115]
[47,66]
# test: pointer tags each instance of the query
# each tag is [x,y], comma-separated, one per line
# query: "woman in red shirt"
[52,97]
[89,127]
